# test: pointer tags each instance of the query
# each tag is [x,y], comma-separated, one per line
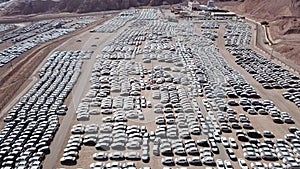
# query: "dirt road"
[268,51]
[80,89]
[15,79]
[273,95]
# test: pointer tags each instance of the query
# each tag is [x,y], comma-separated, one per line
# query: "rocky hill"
[266,9]
[24,7]
[283,18]
[262,9]
[282,14]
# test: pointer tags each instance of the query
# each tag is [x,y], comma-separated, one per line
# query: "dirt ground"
[15,83]
[15,77]
[278,130]
[283,28]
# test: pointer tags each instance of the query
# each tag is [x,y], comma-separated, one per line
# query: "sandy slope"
[284,22]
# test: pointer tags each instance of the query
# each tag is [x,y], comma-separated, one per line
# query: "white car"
[220,164]
[167,161]
[242,163]
[258,165]
[228,164]
[181,161]
[232,143]
[208,160]
[194,161]
[225,142]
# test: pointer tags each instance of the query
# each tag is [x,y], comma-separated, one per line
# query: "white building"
[193,5]
[211,4]
[202,8]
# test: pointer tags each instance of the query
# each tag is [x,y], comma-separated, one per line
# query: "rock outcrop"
[79,6]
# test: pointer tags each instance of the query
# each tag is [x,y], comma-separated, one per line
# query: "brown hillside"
[283,17]
[78,6]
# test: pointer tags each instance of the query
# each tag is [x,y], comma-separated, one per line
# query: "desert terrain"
[283,27]
[145,88]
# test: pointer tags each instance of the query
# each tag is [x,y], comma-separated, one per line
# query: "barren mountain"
[24,7]
[283,17]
